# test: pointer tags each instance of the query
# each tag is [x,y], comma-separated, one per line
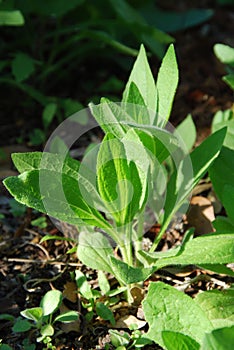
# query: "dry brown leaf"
[70,291]
[128,320]
[201,215]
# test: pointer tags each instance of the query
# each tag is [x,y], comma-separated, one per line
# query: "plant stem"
[159,236]
[140,227]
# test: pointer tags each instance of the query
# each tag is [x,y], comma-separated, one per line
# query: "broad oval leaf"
[51,302]
[94,250]
[167,309]
[179,341]
[219,339]
[218,306]
[128,274]
[67,317]
[34,314]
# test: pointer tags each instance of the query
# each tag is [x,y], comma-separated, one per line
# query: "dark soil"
[29,269]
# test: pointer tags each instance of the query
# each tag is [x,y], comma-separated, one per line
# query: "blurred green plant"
[225,54]
[58,51]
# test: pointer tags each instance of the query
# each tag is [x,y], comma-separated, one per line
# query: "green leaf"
[229,80]
[55,194]
[51,302]
[142,77]
[223,224]
[179,341]
[119,180]
[128,274]
[218,306]
[224,53]
[119,339]
[172,21]
[135,97]
[109,116]
[37,137]
[55,8]
[34,314]
[167,309]
[187,132]
[22,66]
[225,119]
[207,249]
[58,146]
[166,85]
[48,113]
[223,185]
[5,347]
[103,282]
[7,317]
[47,330]
[83,285]
[67,317]
[218,268]
[38,160]
[190,171]
[219,339]
[94,250]
[105,313]
[21,326]
[11,18]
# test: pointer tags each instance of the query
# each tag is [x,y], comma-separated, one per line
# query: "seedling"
[42,318]
[225,54]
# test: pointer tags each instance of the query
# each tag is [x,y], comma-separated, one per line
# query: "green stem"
[159,236]
[140,228]
[126,245]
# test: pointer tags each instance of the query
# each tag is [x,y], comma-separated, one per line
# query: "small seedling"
[42,318]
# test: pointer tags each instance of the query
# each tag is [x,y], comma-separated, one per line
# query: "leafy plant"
[205,322]
[225,54]
[45,46]
[131,178]
[91,298]
[42,318]
[110,194]
[225,119]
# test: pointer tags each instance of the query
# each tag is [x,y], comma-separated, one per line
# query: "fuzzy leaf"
[109,116]
[142,77]
[128,274]
[223,185]
[218,306]
[206,249]
[190,171]
[167,309]
[55,194]
[120,183]
[94,250]
[166,85]
[187,132]
[219,339]
[179,341]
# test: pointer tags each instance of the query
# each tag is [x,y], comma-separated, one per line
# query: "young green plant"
[127,183]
